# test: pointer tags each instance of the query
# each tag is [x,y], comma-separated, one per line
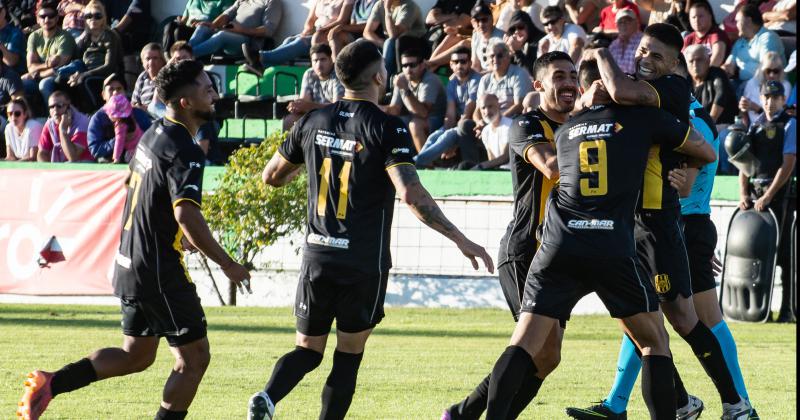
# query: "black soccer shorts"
[353,298]
[512,275]
[177,316]
[557,281]
[664,254]
[701,241]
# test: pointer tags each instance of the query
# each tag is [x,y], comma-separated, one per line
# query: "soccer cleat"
[691,410]
[595,412]
[260,407]
[739,411]
[36,397]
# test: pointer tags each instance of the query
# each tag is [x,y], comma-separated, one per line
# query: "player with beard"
[661,242]
[534,171]
[150,278]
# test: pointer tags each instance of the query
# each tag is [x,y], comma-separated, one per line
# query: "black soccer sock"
[337,394]
[658,389]
[289,370]
[73,376]
[473,406]
[164,414]
[681,396]
[525,395]
[509,374]
[707,350]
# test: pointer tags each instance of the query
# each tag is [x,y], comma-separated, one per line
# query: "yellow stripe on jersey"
[548,131]
[176,245]
[547,184]
[653,187]
[398,164]
[178,201]
[658,97]
[686,137]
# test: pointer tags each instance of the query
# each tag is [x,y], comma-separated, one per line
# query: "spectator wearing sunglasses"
[71,12]
[483,34]
[12,42]
[63,137]
[22,132]
[418,97]
[522,38]
[49,48]
[770,69]
[561,35]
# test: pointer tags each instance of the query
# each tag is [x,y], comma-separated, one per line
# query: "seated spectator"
[10,84]
[449,27]
[754,42]
[623,47]
[126,131]
[729,21]
[243,26]
[71,12]
[771,69]
[325,15]
[483,34]
[705,31]
[458,129]
[522,39]
[132,21]
[49,48]
[584,13]
[509,82]
[418,97]
[101,130]
[63,136]
[196,11]
[711,85]
[320,86]
[341,35]
[782,19]
[494,134]
[12,43]
[608,16]
[22,13]
[531,8]
[144,89]
[385,27]
[22,132]
[561,35]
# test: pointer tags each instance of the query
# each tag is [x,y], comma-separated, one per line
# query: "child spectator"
[22,132]
[101,134]
[126,131]
[63,137]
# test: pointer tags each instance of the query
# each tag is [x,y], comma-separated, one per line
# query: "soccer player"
[588,244]
[663,247]
[534,172]
[162,212]
[357,158]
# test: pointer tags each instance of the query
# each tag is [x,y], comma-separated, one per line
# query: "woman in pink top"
[126,132]
[705,31]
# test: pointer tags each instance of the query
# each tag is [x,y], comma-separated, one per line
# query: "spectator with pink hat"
[126,131]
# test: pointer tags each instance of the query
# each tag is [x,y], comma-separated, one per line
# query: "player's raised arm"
[623,89]
[410,190]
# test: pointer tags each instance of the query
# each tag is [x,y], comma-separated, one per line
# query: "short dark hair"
[173,78]
[46,4]
[667,34]
[588,72]
[354,60]
[541,63]
[61,93]
[414,52]
[320,49]
[462,50]
[751,11]
[552,12]
[181,46]
[704,4]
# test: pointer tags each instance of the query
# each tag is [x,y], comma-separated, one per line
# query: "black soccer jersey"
[166,169]
[347,148]
[531,188]
[602,153]
[674,96]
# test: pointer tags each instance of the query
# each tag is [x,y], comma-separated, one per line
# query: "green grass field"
[418,362]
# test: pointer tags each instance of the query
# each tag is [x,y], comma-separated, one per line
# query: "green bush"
[248,215]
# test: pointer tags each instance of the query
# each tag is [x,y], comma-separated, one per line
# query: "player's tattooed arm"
[623,89]
[413,193]
[279,171]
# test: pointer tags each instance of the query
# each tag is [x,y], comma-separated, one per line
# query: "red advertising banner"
[59,230]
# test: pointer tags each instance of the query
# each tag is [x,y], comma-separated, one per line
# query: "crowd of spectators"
[459,72]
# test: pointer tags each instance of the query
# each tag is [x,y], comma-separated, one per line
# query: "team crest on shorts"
[662,283]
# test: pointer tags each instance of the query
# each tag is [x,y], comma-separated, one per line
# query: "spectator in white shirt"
[561,35]
[494,134]
[22,132]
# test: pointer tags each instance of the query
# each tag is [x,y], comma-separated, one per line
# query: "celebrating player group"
[611,174]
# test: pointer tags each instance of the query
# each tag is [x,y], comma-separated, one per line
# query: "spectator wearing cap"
[320,86]
[418,97]
[12,42]
[509,82]
[483,34]
[241,28]
[49,48]
[196,11]
[773,142]
[770,69]
[711,85]
[608,20]
[63,137]
[585,13]
[755,41]
[449,26]
[705,31]
[623,47]
[71,12]
[389,21]
[522,39]
[561,35]
[126,131]
[341,35]
[22,132]
[101,130]
[144,90]
[133,22]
